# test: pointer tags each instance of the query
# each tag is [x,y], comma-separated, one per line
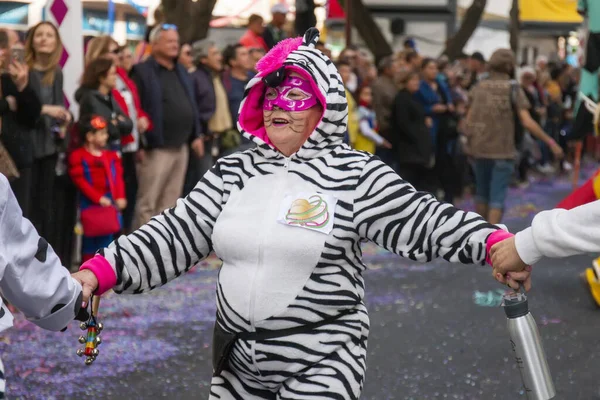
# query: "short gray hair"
[155,33]
[200,49]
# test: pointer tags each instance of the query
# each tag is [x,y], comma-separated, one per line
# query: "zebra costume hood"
[301,56]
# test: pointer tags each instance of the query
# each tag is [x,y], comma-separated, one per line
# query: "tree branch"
[467,27]
[191,17]
[514,26]
[367,28]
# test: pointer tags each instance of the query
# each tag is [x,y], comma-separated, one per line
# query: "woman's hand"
[556,150]
[439,108]
[56,112]
[140,155]
[89,283]
[105,201]
[143,124]
[121,204]
[386,144]
[198,147]
[509,268]
[19,73]
[12,103]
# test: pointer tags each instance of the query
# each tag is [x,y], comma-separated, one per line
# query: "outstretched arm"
[167,246]
[389,212]
[561,233]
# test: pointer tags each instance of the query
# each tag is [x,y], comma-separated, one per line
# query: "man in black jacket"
[167,96]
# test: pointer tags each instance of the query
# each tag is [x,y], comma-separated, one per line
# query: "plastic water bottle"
[527,347]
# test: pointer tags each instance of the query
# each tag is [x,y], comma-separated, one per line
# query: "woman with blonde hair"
[126,95]
[43,51]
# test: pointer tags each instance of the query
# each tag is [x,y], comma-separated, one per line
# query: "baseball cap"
[279,8]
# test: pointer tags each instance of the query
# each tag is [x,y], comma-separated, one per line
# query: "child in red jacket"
[98,175]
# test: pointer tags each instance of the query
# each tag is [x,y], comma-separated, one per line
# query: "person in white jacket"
[554,233]
[32,277]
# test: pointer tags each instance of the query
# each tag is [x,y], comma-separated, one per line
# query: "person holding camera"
[20,108]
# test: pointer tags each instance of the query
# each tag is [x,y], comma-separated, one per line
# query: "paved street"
[436,333]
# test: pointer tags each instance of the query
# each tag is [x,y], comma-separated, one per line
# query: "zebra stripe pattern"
[373,203]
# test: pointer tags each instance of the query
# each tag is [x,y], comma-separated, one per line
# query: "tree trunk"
[467,27]
[368,29]
[514,26]
[191,17]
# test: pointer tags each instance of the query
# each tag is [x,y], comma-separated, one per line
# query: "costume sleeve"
[561,233]
[119,181]
[389,212]
[171,243]
[33,278]
[76,172]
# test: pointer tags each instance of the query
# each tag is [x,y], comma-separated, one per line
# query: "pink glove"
[495,237]
[103,271]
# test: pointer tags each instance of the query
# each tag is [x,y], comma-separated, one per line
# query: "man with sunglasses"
[167,96]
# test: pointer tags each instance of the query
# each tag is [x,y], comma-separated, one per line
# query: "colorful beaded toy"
[92,340]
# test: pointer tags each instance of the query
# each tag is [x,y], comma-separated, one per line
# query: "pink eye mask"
[293,94]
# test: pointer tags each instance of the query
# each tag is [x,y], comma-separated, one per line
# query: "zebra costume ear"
[311,37]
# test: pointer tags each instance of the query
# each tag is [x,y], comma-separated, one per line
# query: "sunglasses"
[168,27]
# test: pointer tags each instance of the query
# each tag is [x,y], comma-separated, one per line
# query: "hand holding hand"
[105,201]
[89,284]
[508,267]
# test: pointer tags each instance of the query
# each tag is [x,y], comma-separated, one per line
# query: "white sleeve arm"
[369,132]
[561,233]
[32,276]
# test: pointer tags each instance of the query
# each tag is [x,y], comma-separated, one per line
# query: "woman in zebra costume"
[287,219]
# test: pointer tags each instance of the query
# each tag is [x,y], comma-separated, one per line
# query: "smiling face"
[291,111]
